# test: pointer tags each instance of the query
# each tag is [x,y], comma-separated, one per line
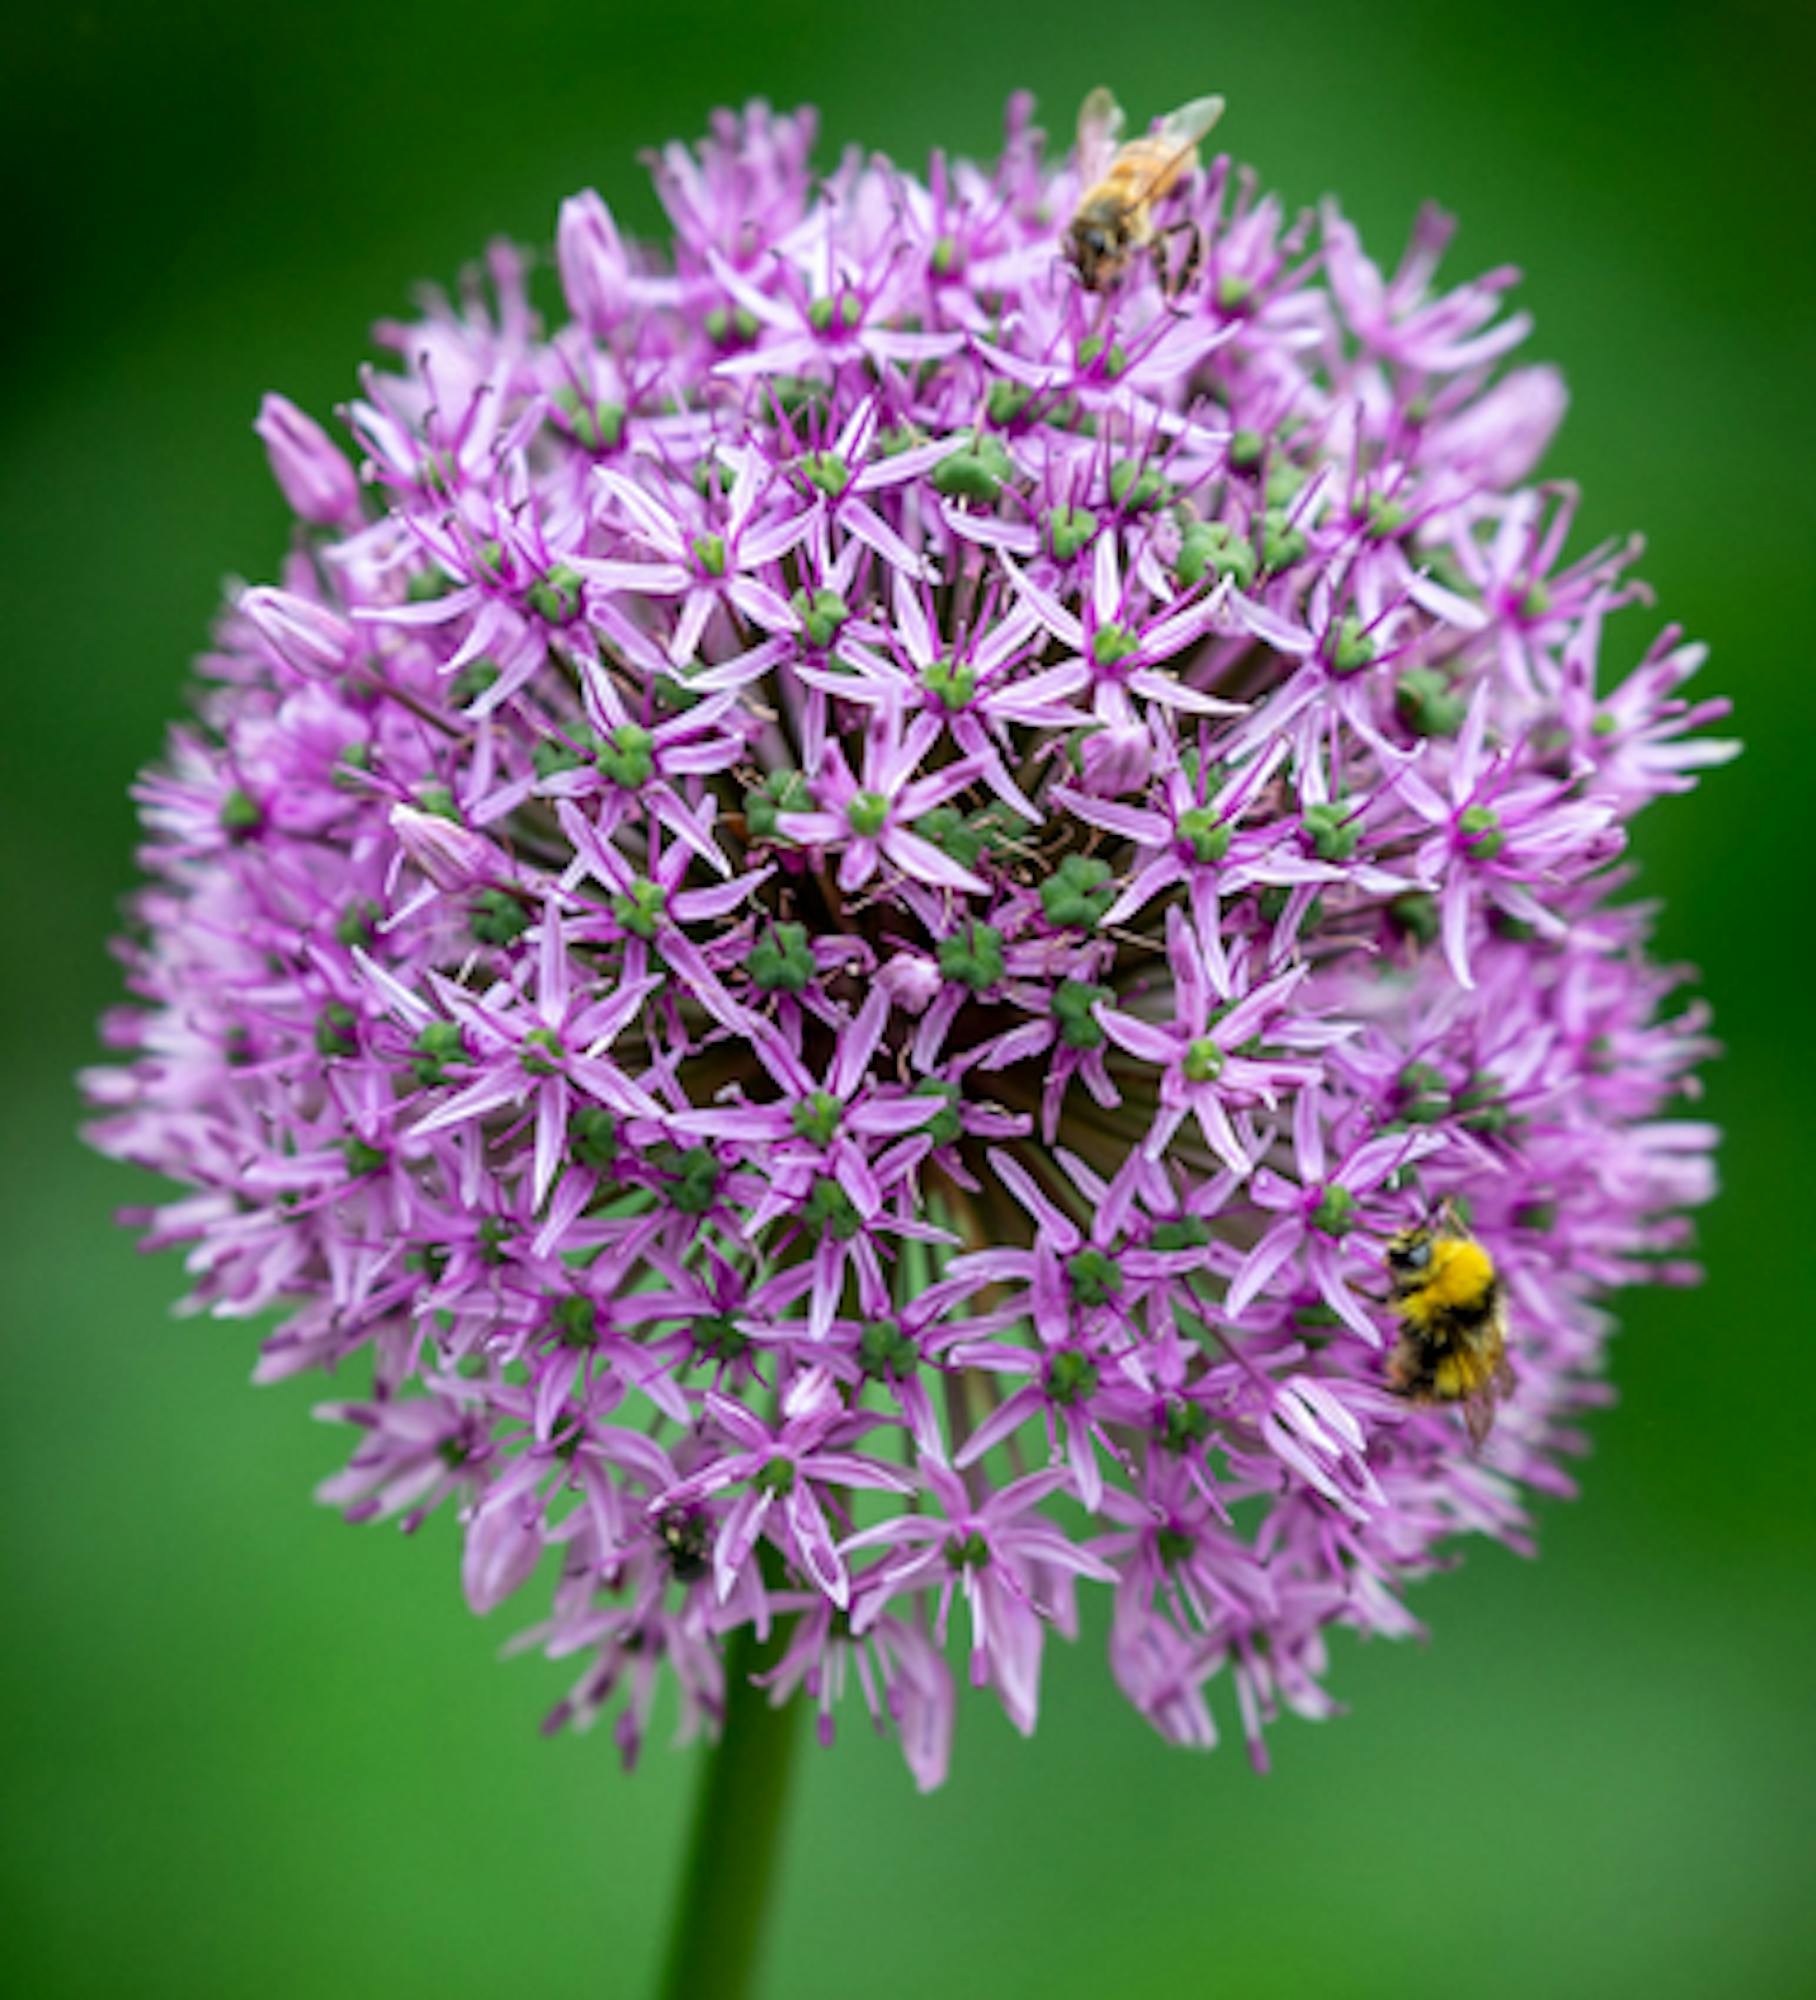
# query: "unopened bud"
[306,637]
[911,980]
[595,273]
[311,470]
[1116,759]
[451,855]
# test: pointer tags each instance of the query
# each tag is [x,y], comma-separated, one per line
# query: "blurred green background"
[247,1748]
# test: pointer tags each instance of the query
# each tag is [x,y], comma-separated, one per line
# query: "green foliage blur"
[245,1748]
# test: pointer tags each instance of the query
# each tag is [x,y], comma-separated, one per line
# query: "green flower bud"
[973,956]
[576,1320]
[1385,518]
[1207,836]
[437,799]
[1078,893]
[817,1117]
[1096,1278]
[241,814]
[1282,544]
[1173,1545]
[1284,480]
[1073,1000]
[883,1350]
[336,1030]
[493,1238]
[1421,1094]
[822,615]
[1428,704]
[1186,1424]
[361,1159]
[1335,1211]
[642,911]
[867,814]
[1415,915]
[1332,833]
[497,917]
[555,596]
[1007,401]
[1354,649]
[552,754]
[1068,530]
[780,792]
[696,1184]
[1134,486]
[974,472]
[781,961]
[721,1337]
[1214,547]
[948,829]
[1480,1107]
[357,923]
[438,1044]
[846,310]
[628,756]
[830,1211]
[598,426]
[828,471]
[593,1137]
[1481,827]
[946,1127]
[1111,644]
[951,682]
[1247,448]
[1204,1061]
[542,1053]
[1071,1376]
[471,682]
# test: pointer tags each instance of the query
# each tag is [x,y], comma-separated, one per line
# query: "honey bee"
[1115,215]
[1452,1309]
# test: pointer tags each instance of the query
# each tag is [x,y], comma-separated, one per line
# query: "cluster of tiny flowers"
[815,940]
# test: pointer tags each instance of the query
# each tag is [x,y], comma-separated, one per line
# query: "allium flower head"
[817,935]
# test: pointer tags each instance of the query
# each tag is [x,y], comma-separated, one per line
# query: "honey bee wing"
[1186,126]
[1172,149]
[1100,123]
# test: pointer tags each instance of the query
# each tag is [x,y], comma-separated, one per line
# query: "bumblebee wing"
[1100,123]
[1186,126]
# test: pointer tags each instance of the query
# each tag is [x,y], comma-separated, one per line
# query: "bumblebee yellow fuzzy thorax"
[1459,1279]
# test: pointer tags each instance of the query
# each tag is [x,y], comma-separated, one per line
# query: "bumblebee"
[1115,214]
[687,1541]
[1452,1309]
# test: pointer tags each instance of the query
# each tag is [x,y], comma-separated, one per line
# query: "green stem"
[731,1864]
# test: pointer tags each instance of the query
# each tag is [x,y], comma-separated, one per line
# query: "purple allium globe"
[817,938]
